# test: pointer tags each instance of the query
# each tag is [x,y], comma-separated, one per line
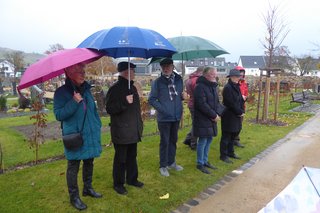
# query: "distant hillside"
[29,58]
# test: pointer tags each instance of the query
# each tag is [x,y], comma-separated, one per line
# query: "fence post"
[1,160]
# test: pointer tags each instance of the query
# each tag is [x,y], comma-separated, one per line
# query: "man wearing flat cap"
[166,97]
[123,105]
[231,120]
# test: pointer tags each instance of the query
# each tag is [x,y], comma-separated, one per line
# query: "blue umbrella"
[129,42]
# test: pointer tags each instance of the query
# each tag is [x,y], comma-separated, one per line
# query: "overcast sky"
[236,26]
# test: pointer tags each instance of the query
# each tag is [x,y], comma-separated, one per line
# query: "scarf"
[172,87]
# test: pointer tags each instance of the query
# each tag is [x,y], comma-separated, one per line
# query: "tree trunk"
[259,97]
[277,98]
[1,160]
[14,88]
[266,99]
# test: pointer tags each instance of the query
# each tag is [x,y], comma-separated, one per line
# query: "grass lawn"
[43,188]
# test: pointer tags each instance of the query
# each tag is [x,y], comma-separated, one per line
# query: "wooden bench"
[310,96]
[298,97]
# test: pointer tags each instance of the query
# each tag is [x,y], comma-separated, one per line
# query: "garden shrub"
[3,103]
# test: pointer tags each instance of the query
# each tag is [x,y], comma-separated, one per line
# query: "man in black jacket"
[231,120]
[123,105]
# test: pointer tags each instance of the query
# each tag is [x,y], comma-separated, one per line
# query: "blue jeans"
[168,142]
[203,150]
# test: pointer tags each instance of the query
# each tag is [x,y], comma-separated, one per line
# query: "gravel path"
[256,183]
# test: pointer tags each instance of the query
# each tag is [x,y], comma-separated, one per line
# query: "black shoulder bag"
[74,141]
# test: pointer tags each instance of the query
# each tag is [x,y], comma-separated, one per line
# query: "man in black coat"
[231,120]
[123,105]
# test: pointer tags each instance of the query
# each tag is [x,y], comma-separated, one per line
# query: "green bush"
[3,103]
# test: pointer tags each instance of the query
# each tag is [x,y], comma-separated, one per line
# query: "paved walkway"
[249,188]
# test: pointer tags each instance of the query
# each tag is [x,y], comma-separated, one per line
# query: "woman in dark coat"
[123,105]
[74,106]
[206,103]
[231,120]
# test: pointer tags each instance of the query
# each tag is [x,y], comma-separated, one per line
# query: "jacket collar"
[205,81]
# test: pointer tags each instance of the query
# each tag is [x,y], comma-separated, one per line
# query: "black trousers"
[190,137]
[125,167]
[226,144]
[72,176]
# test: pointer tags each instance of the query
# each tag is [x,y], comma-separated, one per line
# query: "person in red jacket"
[244,91]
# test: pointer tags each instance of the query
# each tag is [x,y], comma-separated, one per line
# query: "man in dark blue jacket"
[166,98]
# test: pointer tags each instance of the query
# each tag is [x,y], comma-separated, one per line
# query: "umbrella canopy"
[193,47]
[129,42]
[120,42]
[54,65]
[301,195]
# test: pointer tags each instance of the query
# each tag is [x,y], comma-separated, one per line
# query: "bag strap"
[84,118]
[85,114]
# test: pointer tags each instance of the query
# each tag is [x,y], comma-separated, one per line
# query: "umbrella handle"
[129,70]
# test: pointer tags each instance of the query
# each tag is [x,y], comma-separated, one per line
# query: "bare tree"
[282,58]
[275,34]
[17,60]
[54,48]
[306,64]
[102,66]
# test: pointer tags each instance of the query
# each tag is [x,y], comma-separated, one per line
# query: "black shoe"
[203,169]
[91,193]
[238,144]
[78,204]
[193,147]
[226,160]
[210,166]
[137,184]
[187,142]
[120,190]
[234,156]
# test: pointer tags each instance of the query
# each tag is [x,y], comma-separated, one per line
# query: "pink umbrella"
[54,65]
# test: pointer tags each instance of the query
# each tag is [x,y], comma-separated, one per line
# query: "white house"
[252,64]
[6,68]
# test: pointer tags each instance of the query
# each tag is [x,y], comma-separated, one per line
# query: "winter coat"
[233,101]
[71,115]
[244,90]
[206,101]
[190,85]
[125,119]
[243,87]
[167,110]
